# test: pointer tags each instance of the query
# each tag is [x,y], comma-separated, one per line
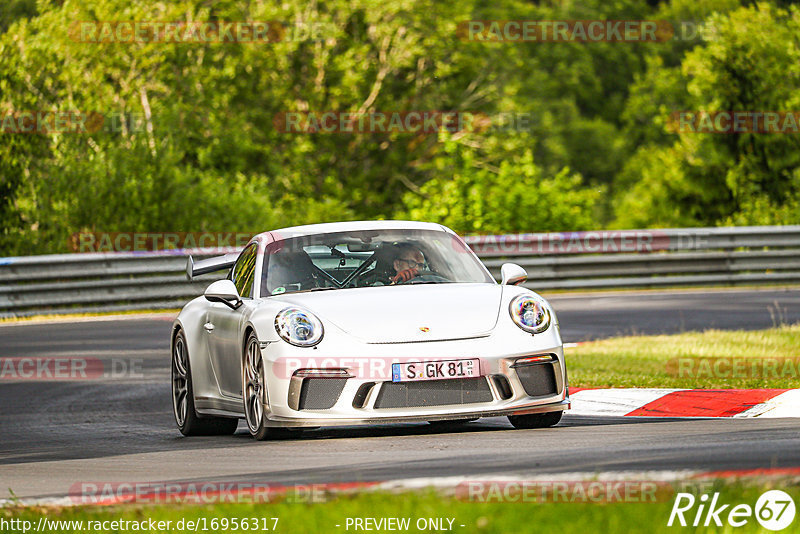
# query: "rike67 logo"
[774,510]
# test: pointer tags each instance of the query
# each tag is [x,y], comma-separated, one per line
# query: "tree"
[748,63]
[472,195]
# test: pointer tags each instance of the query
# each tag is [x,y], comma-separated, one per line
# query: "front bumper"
[294,422]
[357,398]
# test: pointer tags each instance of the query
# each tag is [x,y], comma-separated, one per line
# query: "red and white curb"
[641,402]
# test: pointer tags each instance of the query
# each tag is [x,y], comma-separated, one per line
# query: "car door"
[222,327]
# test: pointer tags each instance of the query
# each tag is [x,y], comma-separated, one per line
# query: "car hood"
[409,313]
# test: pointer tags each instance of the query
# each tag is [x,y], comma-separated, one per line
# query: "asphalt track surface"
[56,434]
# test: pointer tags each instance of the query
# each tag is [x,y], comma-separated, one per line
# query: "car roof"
[349,226]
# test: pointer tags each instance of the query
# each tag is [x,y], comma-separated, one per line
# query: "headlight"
[530,313]
[298,327]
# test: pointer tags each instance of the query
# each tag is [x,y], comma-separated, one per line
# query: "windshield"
[368,259]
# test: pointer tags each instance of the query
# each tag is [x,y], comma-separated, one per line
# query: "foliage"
[200,150]
[748,62]
[471,195]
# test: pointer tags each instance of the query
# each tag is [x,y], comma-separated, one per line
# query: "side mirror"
[512,274]
[225,292]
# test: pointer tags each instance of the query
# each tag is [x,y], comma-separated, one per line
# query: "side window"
[244,271]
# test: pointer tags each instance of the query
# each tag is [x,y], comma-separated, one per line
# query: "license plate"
[440,370]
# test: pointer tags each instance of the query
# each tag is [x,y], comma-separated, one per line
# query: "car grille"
[433,393]
[537,380]
[320,393]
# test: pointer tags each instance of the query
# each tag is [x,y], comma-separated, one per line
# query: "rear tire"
[536,420]
[189,423]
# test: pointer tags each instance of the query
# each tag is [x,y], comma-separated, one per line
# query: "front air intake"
[433,393]
[538,380]
[503,387]
[320,393]
[360,399]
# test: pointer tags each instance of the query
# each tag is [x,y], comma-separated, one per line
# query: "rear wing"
[209,265]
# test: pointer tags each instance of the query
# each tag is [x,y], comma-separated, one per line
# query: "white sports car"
[363,323]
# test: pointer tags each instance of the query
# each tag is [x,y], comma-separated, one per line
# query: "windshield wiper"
[318,289]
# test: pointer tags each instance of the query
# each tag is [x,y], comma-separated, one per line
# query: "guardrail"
[91,282]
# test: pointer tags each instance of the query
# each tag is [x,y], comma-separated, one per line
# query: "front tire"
[189,423]
[536,420]
[254,387]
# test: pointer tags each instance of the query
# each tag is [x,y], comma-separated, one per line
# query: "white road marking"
[616,401]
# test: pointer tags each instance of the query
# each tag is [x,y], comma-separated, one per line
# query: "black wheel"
[536,420]
[254,386]
[189,423]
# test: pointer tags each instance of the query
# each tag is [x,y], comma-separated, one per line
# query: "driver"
[408,264]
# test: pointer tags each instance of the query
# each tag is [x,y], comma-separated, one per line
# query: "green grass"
[494,517]
[645,361]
